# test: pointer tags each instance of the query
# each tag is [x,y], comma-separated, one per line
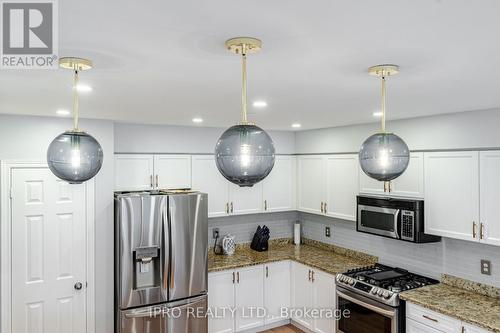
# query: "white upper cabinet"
[342,181]
[133,172]
[311,183]
[172,171]
[489,227]
[452,194]
[409,184]
[279,186]
[207,178]
[245,200]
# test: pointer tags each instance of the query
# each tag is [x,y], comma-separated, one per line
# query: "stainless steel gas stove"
[371,294]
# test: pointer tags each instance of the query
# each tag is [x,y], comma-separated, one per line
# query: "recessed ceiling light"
[296,125]
[259,104]
[197,120]
[377,114]
[83,88]
[63,112]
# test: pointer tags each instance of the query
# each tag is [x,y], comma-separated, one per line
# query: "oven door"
[378,220]
[364,315]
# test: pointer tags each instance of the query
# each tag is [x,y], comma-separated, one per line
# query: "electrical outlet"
[327,231]
[485,267]
[215,233]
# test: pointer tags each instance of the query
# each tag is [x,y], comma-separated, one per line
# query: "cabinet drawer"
[432,319]
[413,326]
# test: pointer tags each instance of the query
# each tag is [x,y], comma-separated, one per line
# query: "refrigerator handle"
[166,247]
[172,246]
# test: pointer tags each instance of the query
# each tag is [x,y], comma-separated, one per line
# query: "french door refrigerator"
[161,257]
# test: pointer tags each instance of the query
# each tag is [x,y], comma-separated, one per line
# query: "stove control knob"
[342,278]
[387,294]
[380,292]
[351,282]
[374,291]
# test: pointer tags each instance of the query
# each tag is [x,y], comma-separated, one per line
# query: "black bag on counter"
[260,241]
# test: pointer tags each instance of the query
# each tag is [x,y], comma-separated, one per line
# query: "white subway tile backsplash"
[453,257]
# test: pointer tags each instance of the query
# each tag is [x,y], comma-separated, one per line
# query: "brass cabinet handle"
[322,206]
[238,277]
[474,234]
[481,231]
[312,279]
[157,180]
[267,271]
[227,207]
[232,207]
[463,329]
[233,277]
[429,318]
[151,180]
[265,204]
[309,275]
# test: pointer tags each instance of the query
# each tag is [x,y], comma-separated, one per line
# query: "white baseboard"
[268,327]
[294,323]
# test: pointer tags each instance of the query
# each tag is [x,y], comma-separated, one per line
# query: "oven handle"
[396,222]
[374,308]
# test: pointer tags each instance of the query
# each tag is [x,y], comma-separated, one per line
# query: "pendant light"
[75,156]
[244,153]
[384,156]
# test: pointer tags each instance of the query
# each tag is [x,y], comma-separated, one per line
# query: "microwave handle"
[396,223]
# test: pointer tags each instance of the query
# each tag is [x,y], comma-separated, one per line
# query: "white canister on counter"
[296,233]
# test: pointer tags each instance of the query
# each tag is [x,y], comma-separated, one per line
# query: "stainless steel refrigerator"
[161,262]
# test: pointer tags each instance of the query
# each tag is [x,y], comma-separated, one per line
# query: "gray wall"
[452,131]
[27,138]
[136,138]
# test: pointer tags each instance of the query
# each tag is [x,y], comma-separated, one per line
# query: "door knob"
[78,286]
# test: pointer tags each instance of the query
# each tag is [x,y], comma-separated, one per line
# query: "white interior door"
[48,253]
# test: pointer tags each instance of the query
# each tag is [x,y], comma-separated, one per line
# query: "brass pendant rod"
[382,104]
[244,86]
[75,99]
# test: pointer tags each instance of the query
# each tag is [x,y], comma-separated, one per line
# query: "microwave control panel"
[407,225]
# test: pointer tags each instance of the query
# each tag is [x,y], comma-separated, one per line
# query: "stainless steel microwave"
[401,219]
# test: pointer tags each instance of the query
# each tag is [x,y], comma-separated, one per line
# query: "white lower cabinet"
[220,301]
[249,296]
[312,289]
[276,290]
[422,320]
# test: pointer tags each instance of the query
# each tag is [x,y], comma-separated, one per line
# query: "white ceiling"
[164,62]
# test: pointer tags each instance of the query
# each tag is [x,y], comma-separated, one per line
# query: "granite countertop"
[328,258]
[452,299]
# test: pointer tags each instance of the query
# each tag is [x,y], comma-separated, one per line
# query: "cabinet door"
[172,171]
[276,290]
[451,193]
[342,186]
[301,293]
[133,172]
[221,296]
[323,298]
[409,184]
[207,179]
[245,200]
[279,185]
[468,328]
[415,327]
[249,295]
[489,165]
[311,183]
